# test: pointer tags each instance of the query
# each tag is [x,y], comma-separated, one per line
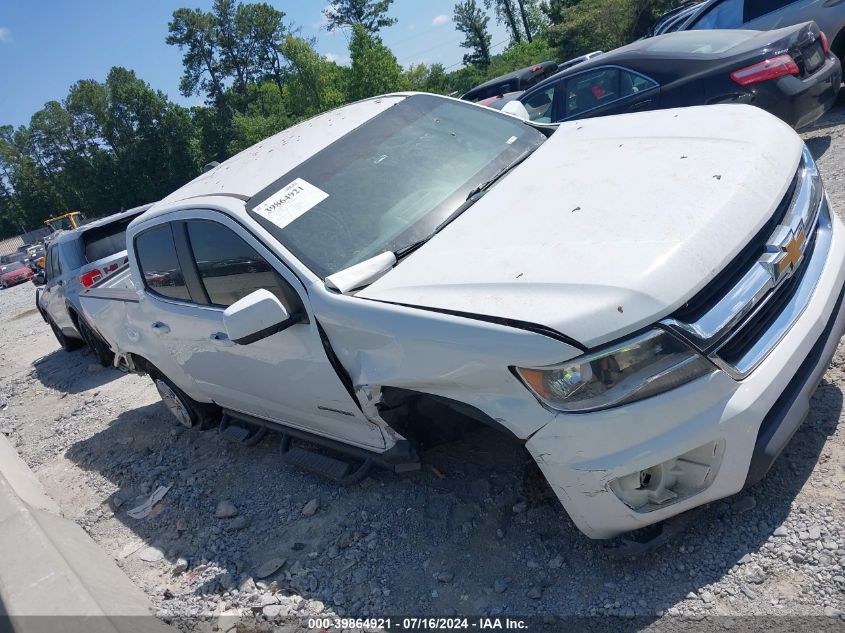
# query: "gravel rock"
[225,510]
[744,504]
[780,531]
[310,508]
[238,523]
[151,554]
[180,567]
[500,585]
[445,576]
[269,567]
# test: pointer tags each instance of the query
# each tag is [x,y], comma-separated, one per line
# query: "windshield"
[10,267]
[389,182]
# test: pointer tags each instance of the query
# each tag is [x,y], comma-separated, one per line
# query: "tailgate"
[106,305]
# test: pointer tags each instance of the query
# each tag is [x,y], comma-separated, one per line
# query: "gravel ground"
[240,534]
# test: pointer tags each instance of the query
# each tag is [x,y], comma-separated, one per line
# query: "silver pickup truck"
[645,302]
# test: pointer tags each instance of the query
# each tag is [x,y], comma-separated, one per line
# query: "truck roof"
[248,172]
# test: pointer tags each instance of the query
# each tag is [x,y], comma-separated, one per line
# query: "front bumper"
[750,421]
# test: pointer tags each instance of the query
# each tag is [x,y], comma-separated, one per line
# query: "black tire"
[68,344]
[96,344]
[185,410]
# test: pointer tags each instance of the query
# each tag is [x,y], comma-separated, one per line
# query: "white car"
[646,301]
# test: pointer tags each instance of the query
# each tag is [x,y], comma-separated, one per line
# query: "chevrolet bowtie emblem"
[784,252]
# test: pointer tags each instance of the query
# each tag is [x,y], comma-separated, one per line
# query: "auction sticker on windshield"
[290,202]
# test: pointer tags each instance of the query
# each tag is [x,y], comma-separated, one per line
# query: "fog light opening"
[671,481]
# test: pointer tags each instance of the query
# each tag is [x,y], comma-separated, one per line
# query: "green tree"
[374,68]
[312,83]
[196,33]
[371,14]
[603,24]
[506,11]
[422,78]
[472,22]
[249,36]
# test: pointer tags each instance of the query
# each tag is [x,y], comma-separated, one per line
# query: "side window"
[725,15]
[48,264]
[158,263]
[231,269]
[55,264]
[632,83]
[758,8]
[539,105]
[592,89]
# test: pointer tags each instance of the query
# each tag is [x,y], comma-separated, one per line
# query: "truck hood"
[612,224]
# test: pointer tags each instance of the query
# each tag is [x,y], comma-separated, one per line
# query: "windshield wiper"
[472,197]
[489,183]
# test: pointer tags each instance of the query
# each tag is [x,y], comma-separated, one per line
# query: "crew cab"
[646,302]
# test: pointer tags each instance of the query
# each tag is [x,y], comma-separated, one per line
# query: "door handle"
[639,105]
[160,328]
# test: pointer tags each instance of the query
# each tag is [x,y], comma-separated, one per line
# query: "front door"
[286,377]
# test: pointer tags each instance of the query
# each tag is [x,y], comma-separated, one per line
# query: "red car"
[14,273]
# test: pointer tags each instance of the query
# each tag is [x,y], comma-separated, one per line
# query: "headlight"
[640,367]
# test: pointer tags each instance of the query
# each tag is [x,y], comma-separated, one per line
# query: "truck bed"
[105,305]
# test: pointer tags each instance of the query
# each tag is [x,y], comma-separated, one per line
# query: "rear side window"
[105,241]
[231,269]
[159,265]
[54,268]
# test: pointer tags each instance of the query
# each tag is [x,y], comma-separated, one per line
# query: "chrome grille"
[739,328]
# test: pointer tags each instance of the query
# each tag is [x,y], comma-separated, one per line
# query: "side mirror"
[515,108]
[38,279]
[258,315]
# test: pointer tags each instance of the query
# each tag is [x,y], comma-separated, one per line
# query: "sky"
[46,46]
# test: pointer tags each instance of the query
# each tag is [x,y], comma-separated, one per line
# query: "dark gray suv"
[74,261]
[766,15]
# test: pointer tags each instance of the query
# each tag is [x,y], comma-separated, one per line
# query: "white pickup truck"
[646,302]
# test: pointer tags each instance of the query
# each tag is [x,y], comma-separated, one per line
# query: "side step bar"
[400,458]
[246,433]
[336,470]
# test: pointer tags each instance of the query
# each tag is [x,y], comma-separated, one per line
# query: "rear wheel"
[95,343]
[68,344]
[187,411]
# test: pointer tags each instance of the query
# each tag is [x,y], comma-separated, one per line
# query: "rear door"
[605,90]
[52,295]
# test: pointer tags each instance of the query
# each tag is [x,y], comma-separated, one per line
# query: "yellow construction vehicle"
[66,222]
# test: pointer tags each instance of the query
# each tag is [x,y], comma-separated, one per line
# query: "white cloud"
[5,34]
[323,22]
[440,20]
[338,59]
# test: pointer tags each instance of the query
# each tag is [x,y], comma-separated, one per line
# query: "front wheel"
[187,411]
